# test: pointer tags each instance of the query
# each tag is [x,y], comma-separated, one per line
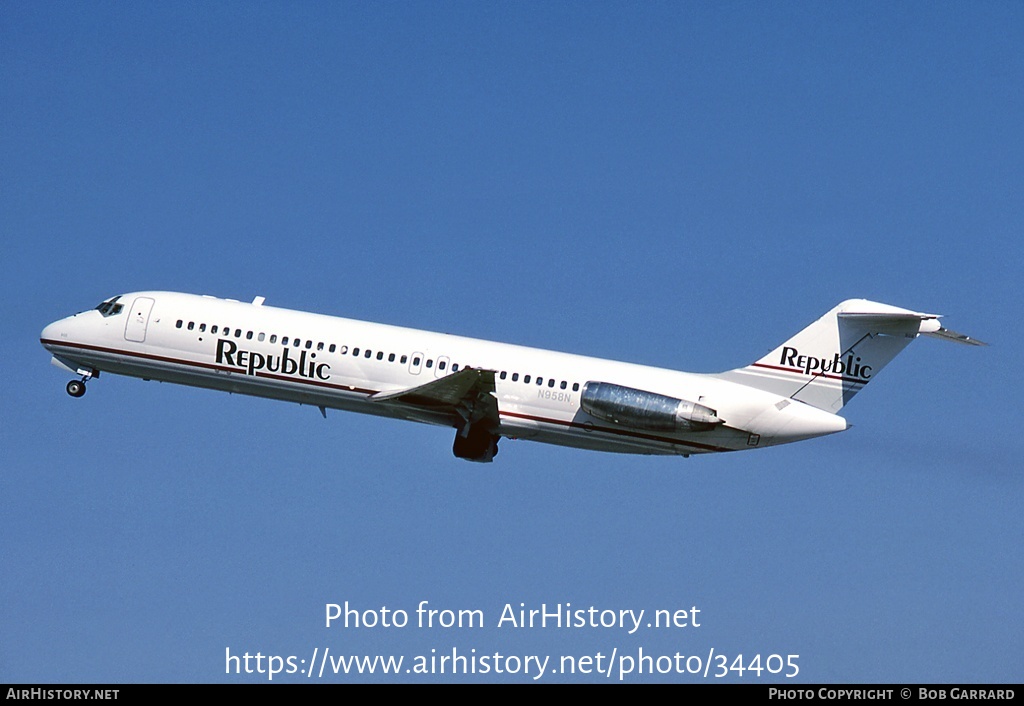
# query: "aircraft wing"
[468,393]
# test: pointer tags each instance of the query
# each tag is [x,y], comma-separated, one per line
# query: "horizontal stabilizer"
[947,335]
[929,326]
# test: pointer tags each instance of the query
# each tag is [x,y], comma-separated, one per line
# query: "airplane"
[487,390]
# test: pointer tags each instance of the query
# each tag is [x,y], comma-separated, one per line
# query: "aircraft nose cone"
[50,333]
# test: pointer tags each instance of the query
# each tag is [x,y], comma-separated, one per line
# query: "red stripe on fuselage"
[206,366]
[347,388]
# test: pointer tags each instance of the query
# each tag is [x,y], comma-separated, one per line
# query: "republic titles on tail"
[831,360]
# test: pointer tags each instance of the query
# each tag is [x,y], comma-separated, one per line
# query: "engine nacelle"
[638,409]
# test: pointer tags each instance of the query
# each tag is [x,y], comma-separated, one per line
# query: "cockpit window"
[110,307]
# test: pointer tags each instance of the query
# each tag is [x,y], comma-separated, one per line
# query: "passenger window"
[526,379]
[442,364]
[273,338]
[416,361]
[391,358]
[502,376]
[191,325]
[343,350]
[248,335]
[368,353]
[238,333]
[430,362]
[403,359]
[562,386]
[309,345]
[261,337]
[320,346]
[380,355]
[213,329]
[355,351]
[540,381]
[575,387]
[179,324]
[284,340]
[515,377]
[202,327]
[296,342]
[551,382]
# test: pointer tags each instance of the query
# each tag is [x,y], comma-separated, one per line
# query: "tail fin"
[831,360]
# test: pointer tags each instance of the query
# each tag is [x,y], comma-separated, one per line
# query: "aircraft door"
[415,363]
[138,319]
[441,367]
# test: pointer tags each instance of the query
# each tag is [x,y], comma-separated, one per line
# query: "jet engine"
[638,409]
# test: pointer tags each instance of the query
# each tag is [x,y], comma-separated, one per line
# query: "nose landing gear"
[76,388]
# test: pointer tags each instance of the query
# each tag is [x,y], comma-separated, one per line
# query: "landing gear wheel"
[76,388]
[478,445]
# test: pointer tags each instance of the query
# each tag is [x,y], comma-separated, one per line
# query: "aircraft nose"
[51,332]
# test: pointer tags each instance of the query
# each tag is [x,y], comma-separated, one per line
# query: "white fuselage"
[338,363]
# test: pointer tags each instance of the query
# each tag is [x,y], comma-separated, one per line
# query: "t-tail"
[832,360]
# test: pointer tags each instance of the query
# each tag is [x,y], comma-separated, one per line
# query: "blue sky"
[677,184]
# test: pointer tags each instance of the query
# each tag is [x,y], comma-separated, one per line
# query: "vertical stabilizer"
[831,360]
